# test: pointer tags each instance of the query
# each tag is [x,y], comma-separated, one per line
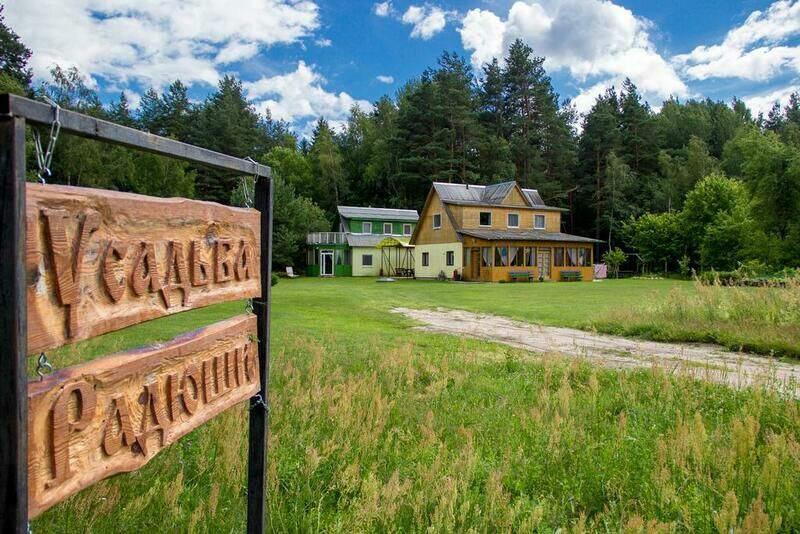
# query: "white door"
[326,263]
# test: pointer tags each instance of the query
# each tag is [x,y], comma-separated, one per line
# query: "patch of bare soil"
[703,361]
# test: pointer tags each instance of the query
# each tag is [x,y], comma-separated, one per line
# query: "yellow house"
[496,232]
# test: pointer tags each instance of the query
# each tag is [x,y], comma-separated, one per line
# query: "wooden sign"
[113,414]
[98,261]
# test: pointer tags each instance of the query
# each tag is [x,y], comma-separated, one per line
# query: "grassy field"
[379,428]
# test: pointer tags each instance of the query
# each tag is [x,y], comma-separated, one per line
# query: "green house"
[370,242]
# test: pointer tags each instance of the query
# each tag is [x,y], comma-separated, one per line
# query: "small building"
[496,233]
[370,242]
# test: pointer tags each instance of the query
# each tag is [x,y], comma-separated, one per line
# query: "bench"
[519,275]
[574,276]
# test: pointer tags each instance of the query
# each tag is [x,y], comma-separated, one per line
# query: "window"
[572,257]
[312,256]
[339,256]
[425,259]
[486,257]
[437,221]
[584,257]
[530,256]
[366,260]
[450,258]
[366,228]
[348,257]
[387,228]
[513,220]
[516,257]
[501,256]
[538,222]
[466,258]
[406,229]
[486,218]
[558,257]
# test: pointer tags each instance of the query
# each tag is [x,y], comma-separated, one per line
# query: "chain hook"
[41,364]
[45,157]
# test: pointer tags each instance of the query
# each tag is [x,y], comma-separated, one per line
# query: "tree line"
[697,184]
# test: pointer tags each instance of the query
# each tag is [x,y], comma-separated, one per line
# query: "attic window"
[437,221]
[486,218]
[538,222]
[513,220]
[387,228]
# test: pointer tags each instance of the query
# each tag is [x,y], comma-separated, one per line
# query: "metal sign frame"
[15,113]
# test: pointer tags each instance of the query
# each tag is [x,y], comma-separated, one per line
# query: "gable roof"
[486,195]
[389,214]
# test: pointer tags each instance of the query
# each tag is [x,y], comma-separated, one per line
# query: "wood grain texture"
[113,414]
[98,261]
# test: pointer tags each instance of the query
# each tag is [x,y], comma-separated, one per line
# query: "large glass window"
[530,256]
[426,259]
[538,222]
[513,220]
[572,257]
[450,258]
[584,257]
[516,256]
[437,220]
[366,228]
[486,218]
[558,256]
[486,257]
[501,256]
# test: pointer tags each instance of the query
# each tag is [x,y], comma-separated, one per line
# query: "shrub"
[274,279]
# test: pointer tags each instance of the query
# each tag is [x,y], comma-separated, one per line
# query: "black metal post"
[13,330]
[259,405]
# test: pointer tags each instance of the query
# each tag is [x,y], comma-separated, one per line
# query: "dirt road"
[708,362]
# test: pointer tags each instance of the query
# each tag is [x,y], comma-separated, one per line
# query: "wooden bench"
[519,275]
[574,276]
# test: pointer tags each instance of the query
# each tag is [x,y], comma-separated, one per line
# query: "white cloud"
[383,9]
[590,39]
[324,43]
[751,51]
[427,20]
[299,97]
[383,78]
[154,42]
[762,103]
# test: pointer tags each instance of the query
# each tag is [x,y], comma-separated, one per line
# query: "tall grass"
[755,319]
[438,434]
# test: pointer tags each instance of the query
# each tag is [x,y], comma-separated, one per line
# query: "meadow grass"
[376,427]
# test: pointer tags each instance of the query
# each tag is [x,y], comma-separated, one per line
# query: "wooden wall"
[469,217]
[427,235]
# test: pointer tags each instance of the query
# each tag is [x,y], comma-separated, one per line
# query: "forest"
[692,185]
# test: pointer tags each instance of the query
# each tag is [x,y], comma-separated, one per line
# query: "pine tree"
[326,163]
[120,112]
[14,56]
[176,112]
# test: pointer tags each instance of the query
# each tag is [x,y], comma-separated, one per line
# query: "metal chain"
[45,157]
[41,364]
[249,199]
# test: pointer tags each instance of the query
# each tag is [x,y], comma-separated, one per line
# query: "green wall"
[357,226]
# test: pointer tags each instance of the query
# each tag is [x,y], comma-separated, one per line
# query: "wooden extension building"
[495,233]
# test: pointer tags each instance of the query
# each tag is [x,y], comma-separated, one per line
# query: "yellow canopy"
[392,242]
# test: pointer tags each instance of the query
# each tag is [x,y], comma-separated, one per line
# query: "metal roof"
[527,235]
[533,197]
[488,195]
[389,214]
[364,240]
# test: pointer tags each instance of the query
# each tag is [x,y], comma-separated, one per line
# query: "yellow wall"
[438,259]
[426,233]
[358,269]
[469,217]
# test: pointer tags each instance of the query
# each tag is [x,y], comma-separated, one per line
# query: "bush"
[274,279]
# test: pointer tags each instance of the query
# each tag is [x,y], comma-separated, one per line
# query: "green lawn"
[376,427]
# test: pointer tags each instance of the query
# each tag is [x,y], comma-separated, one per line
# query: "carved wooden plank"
[98,261]
[113,414]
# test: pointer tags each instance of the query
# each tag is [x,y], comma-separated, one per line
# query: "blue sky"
[302,59]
